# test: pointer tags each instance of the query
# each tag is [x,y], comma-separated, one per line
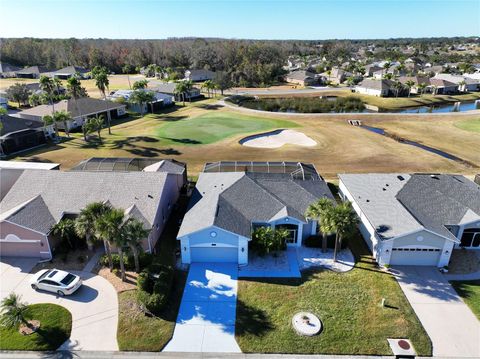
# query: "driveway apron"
[450,324]
[206,318]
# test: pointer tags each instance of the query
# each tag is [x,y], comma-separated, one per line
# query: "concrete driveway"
[451,325]
[94,306]
[206,318]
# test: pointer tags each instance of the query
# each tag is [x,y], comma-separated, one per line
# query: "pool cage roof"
[120,164]
[298,170]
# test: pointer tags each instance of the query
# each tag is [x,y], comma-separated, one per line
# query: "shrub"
[145,260]
[316,242]
[144,282]
[152,302]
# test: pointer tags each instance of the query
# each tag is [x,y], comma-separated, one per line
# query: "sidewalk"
[93,261]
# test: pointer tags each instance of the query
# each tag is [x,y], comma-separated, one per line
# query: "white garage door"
[415,256]
[214,254]
[19,249]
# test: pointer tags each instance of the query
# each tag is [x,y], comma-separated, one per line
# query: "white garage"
[415,256]
[209,253]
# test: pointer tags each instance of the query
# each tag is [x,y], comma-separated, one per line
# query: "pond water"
[464,106]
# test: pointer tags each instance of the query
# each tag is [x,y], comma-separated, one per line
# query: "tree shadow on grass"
[184,141]
[153,152]
[131,141]
[251,320]
[210,107]
[171,118]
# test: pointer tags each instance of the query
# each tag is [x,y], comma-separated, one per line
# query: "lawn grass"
[55,328]
[469,125]
[347,303]
[470,292]
[212,127]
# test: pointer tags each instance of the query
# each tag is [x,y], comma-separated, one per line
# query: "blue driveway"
[206,319]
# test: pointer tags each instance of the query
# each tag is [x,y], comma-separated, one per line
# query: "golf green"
[210,128]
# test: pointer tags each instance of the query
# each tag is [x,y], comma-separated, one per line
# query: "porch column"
[314,228]
[299,234]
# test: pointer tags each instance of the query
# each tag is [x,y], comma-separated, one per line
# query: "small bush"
[145,260]
[152,302]
[144,282]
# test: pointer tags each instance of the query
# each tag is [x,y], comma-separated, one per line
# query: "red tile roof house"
[39,199]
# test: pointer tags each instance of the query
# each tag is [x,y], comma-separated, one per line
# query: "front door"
[292,230]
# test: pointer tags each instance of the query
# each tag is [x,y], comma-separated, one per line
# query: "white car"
[57,281]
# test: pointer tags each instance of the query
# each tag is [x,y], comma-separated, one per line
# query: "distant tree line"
[245,62]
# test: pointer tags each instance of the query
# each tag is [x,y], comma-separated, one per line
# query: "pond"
[452,107]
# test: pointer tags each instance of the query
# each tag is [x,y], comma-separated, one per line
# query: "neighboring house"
[80,109]
[4,102]
[414,219]
[69,71]
[417,80]
[442,87]
[199,75]
[18,134]
[125,164]
[161,100]
[40,199]
[336,75]
[464,83]
[169,89]
[11,170]
[380,88]
[7,70]
[231,200]
[33,72]
[433,70]
[301,77]
[371,69]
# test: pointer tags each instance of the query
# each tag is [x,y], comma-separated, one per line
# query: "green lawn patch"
[213,127]
[469,125]
[55,328]
[349,305]
[470,292]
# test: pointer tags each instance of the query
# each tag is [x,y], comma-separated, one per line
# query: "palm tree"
[51,120]
[140,85]
[109,227]
[342,221]
[409,84]
[386,66]
[181,89]
[422,86]
[142,98]
[14,312]
[321,211]
[65,229]
[462,86]
[398,86]
[48,86]
[63,117]
[75,90]
[208,85]
[85,222]
[102,82]
[94,124]
[135,233]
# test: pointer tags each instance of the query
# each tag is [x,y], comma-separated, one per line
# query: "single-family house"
[169,88]
[336,75]
[19,134]
[160,101]
[301,77]
[464,83]
[199,75]
[70,71]
[4,102]
[433,70]
[33,72]
[39,199]
[7,70]
[414,219]
[417,80]
[442,87]
[371,69]
[380,88]
[79,109]
[231,199]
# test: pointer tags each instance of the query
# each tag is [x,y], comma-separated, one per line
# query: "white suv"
[57,281]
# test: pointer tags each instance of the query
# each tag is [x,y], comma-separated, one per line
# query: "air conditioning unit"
[402,348]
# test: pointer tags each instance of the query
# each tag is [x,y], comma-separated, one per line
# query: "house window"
[470,238]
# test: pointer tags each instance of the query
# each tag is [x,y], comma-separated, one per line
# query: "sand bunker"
[278,138]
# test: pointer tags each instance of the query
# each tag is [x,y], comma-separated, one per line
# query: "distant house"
[80,109]
[33,72]
[69,71]
[464,83]
[370,69]
[7,70]
[40,199]
[301,77]
[336,75]
[231,199]
[442,87]
[417,80]
[433,70]
[18,134]
[414,219]
[4,102]
[169,88]
[199,75]
[161,100]
[380,88]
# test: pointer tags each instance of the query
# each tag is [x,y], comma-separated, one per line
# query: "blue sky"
[260,19]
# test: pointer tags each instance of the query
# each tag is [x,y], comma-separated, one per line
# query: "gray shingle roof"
[13,124]
[37,192]
[233,200]
[440,200]
[376,84]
